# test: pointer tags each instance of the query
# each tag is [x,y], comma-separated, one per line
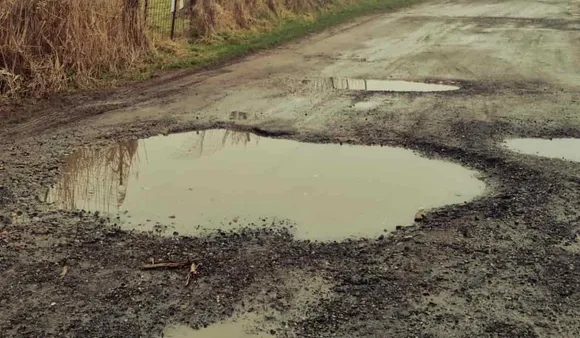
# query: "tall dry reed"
[209,18]
[48,46]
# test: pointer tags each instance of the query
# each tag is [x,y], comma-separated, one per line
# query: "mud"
[504,265]
[222,179]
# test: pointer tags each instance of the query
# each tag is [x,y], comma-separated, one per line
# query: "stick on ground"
[169,265]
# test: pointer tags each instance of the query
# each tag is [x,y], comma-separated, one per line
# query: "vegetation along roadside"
[63,45]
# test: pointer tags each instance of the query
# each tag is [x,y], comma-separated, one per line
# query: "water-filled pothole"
[227,329]
[221,179]
[335,83]
[562,148]
[267,312]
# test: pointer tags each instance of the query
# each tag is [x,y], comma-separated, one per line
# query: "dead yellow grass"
[209,18]
[48,46]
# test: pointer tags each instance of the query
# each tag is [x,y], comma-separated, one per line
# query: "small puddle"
[366,105]
[239,328]
[563,148]
[221,179]
[335,83]
[298,291]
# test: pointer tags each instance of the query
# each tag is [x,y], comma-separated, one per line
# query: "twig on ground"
[169,265]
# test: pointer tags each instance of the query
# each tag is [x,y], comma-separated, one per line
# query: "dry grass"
[211,18]
[48,46]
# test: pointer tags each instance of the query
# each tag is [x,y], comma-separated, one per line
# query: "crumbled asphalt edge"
[379,283]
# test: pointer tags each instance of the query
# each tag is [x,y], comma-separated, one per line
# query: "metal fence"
[168,17]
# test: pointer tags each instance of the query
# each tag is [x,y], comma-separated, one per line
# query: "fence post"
[173,18]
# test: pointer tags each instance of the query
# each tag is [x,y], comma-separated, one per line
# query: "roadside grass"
[232,45]
[55,46]
[49,46]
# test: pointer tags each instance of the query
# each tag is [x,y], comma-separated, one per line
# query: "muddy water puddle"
[563,148]
[335,83]
[240,328]
[266,313]
[220,179]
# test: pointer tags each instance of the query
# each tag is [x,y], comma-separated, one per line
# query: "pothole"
[221,179]
[266,313]
[562,148]
[335,83]
[239,328]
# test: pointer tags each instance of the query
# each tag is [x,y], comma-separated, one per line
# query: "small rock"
[420,216]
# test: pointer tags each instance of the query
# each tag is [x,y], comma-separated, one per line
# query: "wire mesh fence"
[168,17]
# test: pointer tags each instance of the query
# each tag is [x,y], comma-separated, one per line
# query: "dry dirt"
[504,265]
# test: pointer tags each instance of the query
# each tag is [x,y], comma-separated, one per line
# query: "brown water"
[238,328]
[563,148]
[224,179]
[301,291]
[376,85]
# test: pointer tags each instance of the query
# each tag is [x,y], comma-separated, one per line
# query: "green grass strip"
[230,47]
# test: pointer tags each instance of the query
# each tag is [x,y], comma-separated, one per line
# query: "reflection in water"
[223,179]
[96,179]
[325,84]
[207,142]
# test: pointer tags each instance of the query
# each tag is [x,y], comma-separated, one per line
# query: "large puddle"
[220,179]
[376,85]
[563,148]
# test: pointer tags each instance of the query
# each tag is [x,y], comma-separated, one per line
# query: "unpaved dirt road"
[504,265]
